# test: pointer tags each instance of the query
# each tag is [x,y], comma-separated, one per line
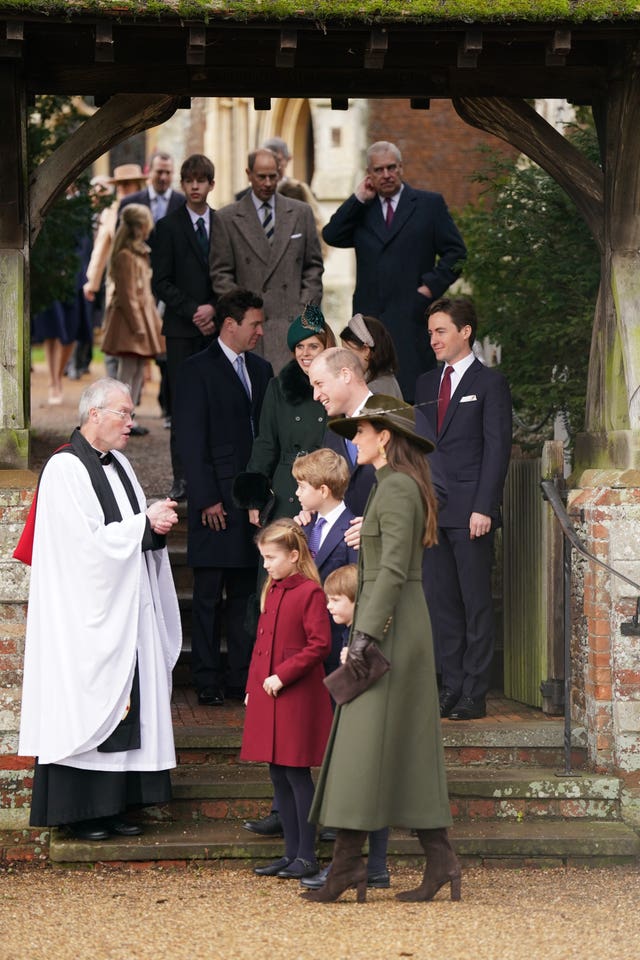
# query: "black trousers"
[179,349]
[220,599]
[457,583]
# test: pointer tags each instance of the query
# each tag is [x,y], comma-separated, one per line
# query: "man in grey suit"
[268,243]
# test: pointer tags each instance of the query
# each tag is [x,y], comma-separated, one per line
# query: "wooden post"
[14,259]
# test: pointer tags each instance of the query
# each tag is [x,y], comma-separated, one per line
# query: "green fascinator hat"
[310,323]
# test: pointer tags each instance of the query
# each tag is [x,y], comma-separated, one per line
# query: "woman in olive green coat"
[384,763]
[292,423]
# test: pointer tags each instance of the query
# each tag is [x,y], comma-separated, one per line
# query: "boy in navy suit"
[323,477]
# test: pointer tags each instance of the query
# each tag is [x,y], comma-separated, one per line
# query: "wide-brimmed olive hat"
[388,412]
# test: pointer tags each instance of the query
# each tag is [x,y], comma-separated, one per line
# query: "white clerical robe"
[97,602]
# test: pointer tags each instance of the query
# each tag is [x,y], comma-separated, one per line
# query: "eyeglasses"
[123,414]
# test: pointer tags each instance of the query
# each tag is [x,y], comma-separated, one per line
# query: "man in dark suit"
[180,260]
[398,234]
[158,195]
[468,407]
[268,242]
[218,402]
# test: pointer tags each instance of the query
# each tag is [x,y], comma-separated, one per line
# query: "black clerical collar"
[104,458]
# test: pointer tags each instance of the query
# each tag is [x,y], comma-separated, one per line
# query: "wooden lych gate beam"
[122,116]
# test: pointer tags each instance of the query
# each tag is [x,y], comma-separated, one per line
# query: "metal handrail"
[570,539]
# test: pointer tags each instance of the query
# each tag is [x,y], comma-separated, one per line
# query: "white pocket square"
[295,236]
[468,398]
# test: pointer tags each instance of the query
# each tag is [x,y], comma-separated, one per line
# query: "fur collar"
[295,384]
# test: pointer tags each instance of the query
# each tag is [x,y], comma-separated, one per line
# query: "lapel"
[404,210]
[191,239]
[461,390]
[254,370]
[247,222]
[332,539]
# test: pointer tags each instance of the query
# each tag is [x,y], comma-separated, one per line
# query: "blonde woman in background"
[132,324]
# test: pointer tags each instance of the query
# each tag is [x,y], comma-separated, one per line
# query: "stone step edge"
[204,841]
[529,735]
[223,781]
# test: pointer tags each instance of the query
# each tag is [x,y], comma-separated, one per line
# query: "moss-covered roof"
[380,11]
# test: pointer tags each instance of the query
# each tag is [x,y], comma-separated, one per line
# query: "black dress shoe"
[88,830]
[298,869]
[235,693]
[317,880]
[468,709]
[273,869]
[448,701]
[178,490]
[138,431]
[211,697]
[270,826]
[327,834]
[379,881]
[122,828]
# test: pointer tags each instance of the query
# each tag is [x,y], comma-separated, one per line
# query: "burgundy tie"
[389,216]
[444,396]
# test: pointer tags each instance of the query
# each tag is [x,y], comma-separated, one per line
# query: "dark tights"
[293,788]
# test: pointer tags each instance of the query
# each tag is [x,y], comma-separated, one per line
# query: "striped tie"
[267,222]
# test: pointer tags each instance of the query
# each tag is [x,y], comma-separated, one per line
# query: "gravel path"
[209,913]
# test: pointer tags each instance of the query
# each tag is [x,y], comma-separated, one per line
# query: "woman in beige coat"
[133,324]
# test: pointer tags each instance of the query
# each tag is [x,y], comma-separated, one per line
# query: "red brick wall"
[440,151]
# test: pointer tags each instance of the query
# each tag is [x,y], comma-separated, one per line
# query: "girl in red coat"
[288,707]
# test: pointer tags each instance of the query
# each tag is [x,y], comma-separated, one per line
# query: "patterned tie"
[202,238]
[315,535]
[389,216]
[444,396]
[242,374]
[267,221]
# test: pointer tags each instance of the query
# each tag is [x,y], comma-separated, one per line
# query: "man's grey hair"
[337,358]
[278,146]
[383,146]
[96,394]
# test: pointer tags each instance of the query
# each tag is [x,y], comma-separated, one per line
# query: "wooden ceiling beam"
[104,52]
[469,48]
[376,50]
[196,46]
[286,57]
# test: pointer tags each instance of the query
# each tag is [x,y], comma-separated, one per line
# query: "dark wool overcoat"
[293,640]
[384,764]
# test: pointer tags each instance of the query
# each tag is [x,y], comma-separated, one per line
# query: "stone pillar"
[14,254]
[606,660]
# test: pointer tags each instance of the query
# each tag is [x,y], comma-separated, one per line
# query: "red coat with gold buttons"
[293,640]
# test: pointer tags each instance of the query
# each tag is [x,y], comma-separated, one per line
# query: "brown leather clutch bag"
[343,686]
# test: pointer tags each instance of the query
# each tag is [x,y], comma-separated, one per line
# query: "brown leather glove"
[355,654]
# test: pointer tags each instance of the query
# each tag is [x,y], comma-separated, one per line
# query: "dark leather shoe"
[273,869]
[448,701]
[379,881]
[211,697]
[298,869]
[327,834]
[178,490]
[318,880]
[88,830]
[138,431]
[235,693]
[122,828]
[468,709]
[270,826]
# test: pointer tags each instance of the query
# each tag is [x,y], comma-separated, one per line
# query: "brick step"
[552,843]
[227,791]
[472,744]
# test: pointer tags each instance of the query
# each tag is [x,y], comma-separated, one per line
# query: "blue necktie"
[352,450]
[315,535]
[242,373]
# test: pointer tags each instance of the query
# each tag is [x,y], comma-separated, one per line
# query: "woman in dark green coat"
[291,424]
[384,763]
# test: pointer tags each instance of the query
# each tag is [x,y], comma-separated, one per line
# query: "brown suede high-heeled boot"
[347,869]
[442,867]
